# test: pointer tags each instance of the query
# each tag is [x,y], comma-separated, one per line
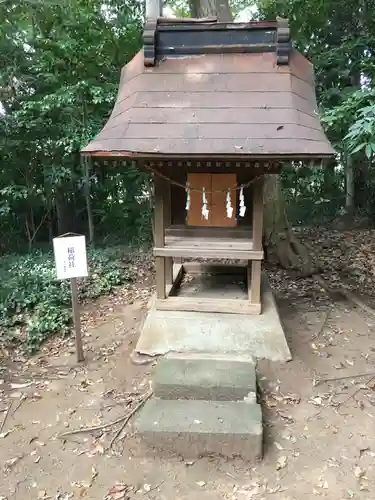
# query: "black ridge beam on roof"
[166,38]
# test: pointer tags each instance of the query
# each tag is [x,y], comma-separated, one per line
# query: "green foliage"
[313,195]
[60,66]
[35,305]
[361,135]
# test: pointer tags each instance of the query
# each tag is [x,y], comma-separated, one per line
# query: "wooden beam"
[238,232]
[231,306]
[255,281]
[220,268]
[159,198]
[248,271]
[254,269]
[160,277]
[258,213]
[208,253]
[178,275]
[167,214]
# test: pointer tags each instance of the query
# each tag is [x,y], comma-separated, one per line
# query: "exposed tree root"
[283,247]
[286,250]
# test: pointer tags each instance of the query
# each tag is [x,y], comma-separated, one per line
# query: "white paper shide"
[70,257]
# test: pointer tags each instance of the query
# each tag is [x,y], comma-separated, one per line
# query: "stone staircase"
[203,405]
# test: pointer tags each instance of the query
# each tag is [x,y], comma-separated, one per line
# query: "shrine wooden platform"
[213,299]
[211,243]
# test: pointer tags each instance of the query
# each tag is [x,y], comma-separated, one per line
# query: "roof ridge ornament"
[182,37]
[149,42]
[284,44]
[151,27]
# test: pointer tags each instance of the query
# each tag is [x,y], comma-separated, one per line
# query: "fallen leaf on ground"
[94,475]
[12,461]
[339,366]
[274,490]
[317,401]
[42,495]
[21,386]
[281,462]
[201,483]
[363,484]
[82,491]
[118,492]
[99,449]
[358,472]
[291,399]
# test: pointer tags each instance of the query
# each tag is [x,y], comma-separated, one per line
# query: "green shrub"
[35,305]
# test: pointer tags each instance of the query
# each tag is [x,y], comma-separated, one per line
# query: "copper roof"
[216,104]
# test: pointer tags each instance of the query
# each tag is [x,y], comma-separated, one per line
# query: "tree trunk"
[207,8]
[329,177]
[279,238]
[86,162]
[349,185]
[362,193]
[65,213]
[87,193]
[282,244]
[193,7]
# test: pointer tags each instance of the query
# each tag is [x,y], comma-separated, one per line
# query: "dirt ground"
[320,438]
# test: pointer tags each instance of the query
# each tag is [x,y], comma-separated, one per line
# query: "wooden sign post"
[71,263]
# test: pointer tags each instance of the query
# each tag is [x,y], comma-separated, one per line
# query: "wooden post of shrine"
[254,279]
[167,222]
[159,220]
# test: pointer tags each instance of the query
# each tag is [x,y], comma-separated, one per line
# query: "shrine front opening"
[215,212]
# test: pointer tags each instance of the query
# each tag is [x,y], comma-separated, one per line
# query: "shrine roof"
[215,89]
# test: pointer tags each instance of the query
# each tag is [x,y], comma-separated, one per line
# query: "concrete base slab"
[194,429]
[204,378]
[258,336]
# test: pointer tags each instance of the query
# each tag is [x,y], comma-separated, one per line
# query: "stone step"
[199,428]
[225,379]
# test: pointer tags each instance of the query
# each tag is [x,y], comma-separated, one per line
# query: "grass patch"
[35,305]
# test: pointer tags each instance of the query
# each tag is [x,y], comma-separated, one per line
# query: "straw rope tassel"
[205,211]
[187,189]
[229,205]
[242,204]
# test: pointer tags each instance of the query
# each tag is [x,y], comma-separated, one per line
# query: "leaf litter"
[122,491]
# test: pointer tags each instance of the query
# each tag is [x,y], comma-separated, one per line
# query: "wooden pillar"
[167,222]
[159,197]
[254,278]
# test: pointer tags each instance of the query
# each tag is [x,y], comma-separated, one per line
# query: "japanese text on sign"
[70,257]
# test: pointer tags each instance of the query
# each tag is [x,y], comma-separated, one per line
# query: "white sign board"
[70,257]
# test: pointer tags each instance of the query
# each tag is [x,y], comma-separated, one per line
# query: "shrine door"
[216,190]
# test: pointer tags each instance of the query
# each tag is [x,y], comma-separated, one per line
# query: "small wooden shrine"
[210,109]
